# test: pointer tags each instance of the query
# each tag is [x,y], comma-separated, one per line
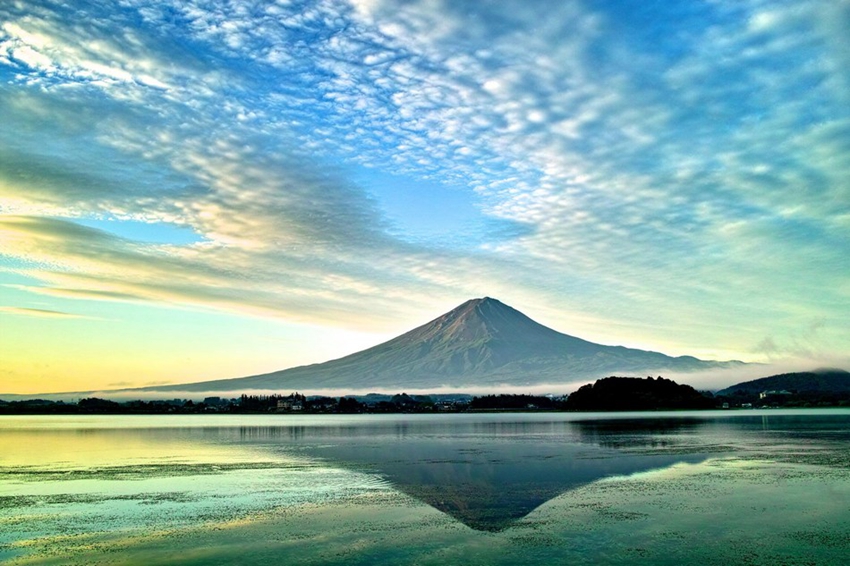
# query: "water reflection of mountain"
[486,475]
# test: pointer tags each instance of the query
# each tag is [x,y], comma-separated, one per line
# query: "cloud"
[767,346]
[684,169]
[806,343]
[39,313]
[76,293]
[134,384]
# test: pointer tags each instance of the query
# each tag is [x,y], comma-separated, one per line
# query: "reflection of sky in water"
[550,484]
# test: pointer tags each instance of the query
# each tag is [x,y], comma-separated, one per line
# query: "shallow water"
[754,487]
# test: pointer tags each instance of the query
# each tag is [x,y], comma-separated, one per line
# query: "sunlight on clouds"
[50,50]
[91,264]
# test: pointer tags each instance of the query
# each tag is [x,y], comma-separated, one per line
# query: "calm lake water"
[754,487]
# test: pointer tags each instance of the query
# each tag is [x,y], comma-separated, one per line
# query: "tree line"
[293,403]
[608,394]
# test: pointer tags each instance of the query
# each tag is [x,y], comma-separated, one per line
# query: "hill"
[636,394]
[480,343]
[822,380]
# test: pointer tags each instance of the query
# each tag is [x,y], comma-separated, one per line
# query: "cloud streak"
[38,313]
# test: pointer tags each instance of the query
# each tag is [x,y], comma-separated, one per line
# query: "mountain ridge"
[481,342]
[825,380]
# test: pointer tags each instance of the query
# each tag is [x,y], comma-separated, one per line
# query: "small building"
[289,404]
[772,393]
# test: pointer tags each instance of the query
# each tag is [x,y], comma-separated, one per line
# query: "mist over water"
[653,488]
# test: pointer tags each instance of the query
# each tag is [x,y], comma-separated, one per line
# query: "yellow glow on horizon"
[157,347]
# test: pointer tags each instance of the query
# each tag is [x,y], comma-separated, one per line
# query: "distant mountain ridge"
[480,343]
[827,380]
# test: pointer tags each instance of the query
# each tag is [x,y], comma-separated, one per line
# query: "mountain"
[482,342]
[818,381]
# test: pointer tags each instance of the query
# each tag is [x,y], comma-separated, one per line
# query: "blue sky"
[666,175]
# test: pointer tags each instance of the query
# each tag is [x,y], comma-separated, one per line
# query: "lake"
[716,487]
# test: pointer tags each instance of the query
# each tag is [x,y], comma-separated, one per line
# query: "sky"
[198,189]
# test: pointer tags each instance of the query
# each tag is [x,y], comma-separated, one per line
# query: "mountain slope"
[481,342]
[818,381]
